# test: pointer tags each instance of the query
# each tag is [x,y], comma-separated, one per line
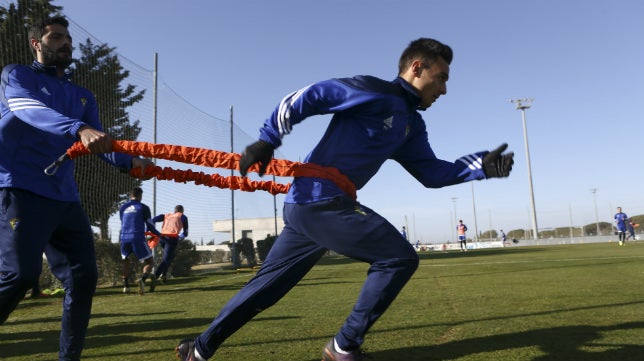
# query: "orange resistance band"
[218,159]
[153,239]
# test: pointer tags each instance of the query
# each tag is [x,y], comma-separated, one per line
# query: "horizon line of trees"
[605,229]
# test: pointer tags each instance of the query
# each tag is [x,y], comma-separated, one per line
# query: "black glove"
[259,152]
[497,165]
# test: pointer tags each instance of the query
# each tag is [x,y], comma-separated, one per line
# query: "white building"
[253,228]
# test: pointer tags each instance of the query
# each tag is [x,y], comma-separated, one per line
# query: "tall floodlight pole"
[522,105]
[455,217]
[154,128]
[275,207]
[232,198]
[594,191]
[154,140]
[476,227]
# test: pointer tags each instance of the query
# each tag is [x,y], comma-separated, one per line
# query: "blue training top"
[136,218]
[40,115]
[620,220]
[373,120]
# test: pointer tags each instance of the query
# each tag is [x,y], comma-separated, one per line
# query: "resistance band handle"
[53,168]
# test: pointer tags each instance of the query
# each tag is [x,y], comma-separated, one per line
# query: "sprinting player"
[42,114]
[620,223]
[631,229]
[373,120]
[462,239]
[174,229]
[135,221]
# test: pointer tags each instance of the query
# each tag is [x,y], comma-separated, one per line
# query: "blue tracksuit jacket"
[374,120]
[136,219]
[40,116]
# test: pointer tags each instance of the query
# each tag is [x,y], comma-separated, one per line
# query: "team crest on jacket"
[13,222]
[83,101]
[359,209]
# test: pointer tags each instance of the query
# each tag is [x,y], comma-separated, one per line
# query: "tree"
[235,252]
[489,234]
[100,71]
[248,251]
[186,257]
[264,246]
[14,27]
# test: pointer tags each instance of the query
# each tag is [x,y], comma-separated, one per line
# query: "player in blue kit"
[621,219]
[42,113]
[136,219]
[373,120]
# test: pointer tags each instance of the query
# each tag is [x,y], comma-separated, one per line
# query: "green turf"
[568,303]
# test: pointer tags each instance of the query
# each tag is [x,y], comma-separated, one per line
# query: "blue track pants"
[339,224]
[169,245]
[31,225]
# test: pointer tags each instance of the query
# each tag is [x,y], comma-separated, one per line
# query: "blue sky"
[581,61]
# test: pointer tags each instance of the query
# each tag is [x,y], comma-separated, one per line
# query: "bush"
[264,246]
[110,264]
[235,252]
[218,256]
[248,250]
[186,256]
[47,279]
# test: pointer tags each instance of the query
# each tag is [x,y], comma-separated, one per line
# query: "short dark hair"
[37,29]
[427,49]
[178,208]
[136,192]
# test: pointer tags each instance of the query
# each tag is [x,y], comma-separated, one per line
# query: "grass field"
[569,303]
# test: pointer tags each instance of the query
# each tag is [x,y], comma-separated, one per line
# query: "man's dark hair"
[427,49]
[37,30]
[178,208]
[136,192]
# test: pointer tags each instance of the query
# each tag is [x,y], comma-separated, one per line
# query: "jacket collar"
[50,70]
[410,93]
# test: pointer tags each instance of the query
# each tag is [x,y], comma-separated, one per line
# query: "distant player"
[462,239]
[174,229]
[620,223]
[631,229]
[135,221]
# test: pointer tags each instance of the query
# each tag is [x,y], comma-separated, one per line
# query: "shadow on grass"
[570,343]
[25,344]
[559,343]
[186,284]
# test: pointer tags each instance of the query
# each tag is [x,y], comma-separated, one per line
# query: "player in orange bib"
[174,229]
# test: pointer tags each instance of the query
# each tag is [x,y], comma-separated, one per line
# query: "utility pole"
[476,227]
[233,244]
[455,217]
[594,191]
[522,105]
